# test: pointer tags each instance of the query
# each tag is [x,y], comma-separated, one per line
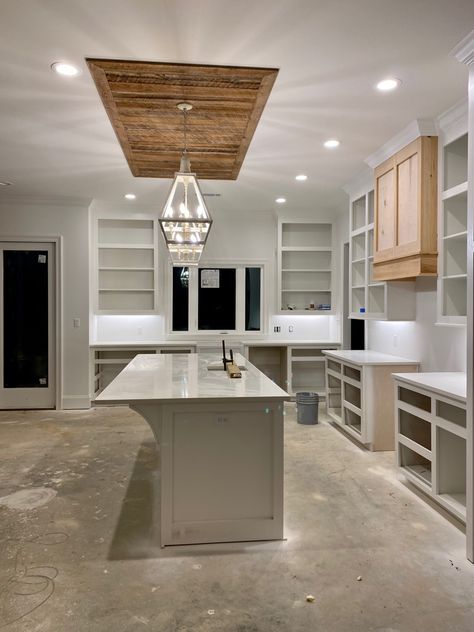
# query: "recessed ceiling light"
[4,183]
[332,143]
[388,84]
[301,177]
[67,70]
[280,200]
[130,196]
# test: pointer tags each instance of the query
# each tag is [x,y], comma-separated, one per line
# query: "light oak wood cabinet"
[406,212]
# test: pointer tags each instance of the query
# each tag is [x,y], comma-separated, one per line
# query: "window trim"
[239,265]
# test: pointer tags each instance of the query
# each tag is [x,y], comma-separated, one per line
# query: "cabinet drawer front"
[408,187]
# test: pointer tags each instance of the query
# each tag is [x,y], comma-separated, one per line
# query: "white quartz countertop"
[450,384]
[277,342]
[186,377]
[368,357]
[144,343]
[267,342]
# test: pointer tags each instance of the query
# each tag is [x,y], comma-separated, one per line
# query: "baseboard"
[75,402]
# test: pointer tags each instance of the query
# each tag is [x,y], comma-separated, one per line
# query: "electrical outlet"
[76,323]
[395,341]
[290,328]
[140,331]
[276,329]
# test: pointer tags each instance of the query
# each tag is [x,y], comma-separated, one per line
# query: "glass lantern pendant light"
[185,220]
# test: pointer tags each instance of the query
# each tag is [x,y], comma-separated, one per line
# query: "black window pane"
[252,299]
[25,323]
[216,298]
[180,299]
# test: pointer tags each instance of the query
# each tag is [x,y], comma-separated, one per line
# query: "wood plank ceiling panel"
[141,98]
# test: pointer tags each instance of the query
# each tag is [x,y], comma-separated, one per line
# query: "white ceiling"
[55,137]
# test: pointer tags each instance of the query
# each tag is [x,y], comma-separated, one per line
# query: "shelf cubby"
[352,420]
[358,213]
[452,469]
[455,297]
[302,235]
[455,163]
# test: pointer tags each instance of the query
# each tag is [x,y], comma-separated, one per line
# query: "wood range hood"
[141,98]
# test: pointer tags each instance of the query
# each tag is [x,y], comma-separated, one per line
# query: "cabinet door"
[385,195]
[408,195]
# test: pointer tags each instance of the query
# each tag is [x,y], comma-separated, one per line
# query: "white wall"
[53,218]
[438,347]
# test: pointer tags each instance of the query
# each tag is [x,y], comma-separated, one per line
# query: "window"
[216,299]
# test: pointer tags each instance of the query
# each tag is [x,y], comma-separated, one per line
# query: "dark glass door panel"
[180,299]
[216,298]
[25,320]
[252,299]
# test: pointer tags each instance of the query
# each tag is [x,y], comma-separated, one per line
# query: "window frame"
[239,266]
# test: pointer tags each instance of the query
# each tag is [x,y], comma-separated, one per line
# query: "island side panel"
[222,472]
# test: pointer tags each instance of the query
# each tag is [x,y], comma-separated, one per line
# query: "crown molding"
[361,184]
[418,127]
[464,51]
[454,122]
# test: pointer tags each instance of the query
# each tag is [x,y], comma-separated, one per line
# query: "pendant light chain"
[185,114]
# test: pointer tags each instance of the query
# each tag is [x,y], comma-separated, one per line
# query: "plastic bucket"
[307,408]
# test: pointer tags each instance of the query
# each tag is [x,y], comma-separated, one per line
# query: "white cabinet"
[107,361]
[370,299]
[430,411]
[306,369]
[294,367]
[452,231]
[126,266]
[305,264]
[359,394]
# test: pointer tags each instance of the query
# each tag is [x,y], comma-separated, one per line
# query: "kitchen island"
[220,443]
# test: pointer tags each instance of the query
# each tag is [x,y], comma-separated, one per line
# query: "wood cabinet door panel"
[408,216]
[386,205]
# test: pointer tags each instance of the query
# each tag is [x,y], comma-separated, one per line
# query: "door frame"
[57,243]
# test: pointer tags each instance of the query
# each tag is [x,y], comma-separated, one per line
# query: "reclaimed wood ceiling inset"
[141,98]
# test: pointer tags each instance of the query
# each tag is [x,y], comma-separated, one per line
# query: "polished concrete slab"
[76,551]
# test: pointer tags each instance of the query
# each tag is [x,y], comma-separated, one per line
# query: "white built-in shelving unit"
[305,263]
[452,229]
[126,266]
[430,412]
[370,299]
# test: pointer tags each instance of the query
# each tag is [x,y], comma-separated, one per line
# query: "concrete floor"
[76,554]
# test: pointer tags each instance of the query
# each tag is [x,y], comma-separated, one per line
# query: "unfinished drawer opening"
[354,374]
[454,414]
[352,420]
[418,400]
[414,428]
[352,395]
[334,366]
[415,464]
[334,383]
